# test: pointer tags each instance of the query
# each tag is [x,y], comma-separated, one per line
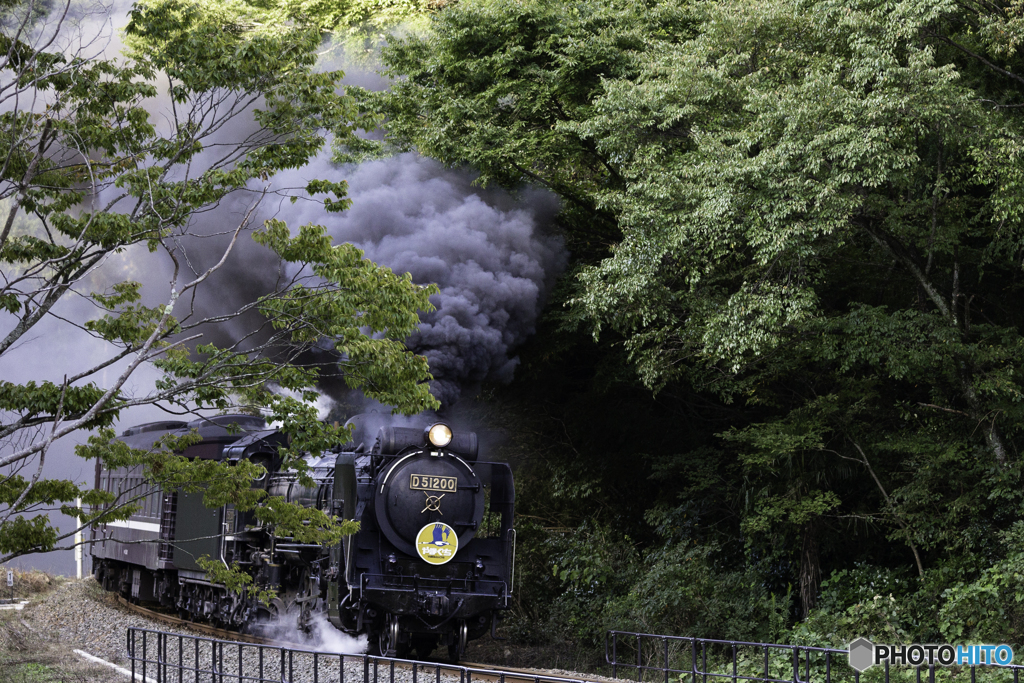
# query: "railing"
[412,583]
[682,659]
[158,657]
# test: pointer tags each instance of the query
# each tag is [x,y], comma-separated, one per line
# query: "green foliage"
[498,85]
[234,580]
[33,402]
[865,601]
[18,533]
[801,223]
[224,67]
[990,607]
[594,566]
[684,590]
[594,559]
[679,588]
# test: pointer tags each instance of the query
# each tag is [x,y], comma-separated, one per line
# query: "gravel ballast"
[80,615]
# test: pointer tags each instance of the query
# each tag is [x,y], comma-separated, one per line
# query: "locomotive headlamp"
[439,435]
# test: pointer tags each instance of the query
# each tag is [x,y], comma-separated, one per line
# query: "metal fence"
[159,657]
[678,659]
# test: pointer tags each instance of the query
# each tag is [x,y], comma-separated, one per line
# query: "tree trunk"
[810,568]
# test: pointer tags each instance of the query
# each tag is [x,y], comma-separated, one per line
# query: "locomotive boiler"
[431,565]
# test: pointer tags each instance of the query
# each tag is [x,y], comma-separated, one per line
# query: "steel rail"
[207,629]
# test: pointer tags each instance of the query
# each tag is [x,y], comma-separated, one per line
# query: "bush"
[676,589]
[683,591]
[989,609]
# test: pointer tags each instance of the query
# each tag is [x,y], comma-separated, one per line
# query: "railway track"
[482,672]
[206,629]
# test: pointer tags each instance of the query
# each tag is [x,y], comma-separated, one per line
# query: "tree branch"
[892,508]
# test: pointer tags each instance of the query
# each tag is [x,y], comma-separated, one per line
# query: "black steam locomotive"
[431,565]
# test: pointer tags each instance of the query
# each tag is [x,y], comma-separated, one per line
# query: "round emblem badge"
[436,543]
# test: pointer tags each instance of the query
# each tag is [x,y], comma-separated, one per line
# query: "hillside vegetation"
[778,395]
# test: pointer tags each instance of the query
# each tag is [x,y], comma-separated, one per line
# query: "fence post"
[693,660]
[665,640]
[614,653]
[161,653]
[639,664]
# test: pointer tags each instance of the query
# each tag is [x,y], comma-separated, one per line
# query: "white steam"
[323,637]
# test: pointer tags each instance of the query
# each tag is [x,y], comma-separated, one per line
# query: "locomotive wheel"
[457,647]
[387,640]
[278,609]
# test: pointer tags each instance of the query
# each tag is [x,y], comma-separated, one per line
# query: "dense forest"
[776,395]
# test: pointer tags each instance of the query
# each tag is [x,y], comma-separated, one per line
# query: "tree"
[822,211]
[498,84]
[94,167]
[821,219]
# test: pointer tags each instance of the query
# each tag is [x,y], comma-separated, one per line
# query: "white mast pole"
[78,544]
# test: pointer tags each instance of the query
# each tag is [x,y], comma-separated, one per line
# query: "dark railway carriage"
[133,556]
[431,566]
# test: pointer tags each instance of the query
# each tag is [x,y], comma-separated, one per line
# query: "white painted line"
[115,667]
[135,524]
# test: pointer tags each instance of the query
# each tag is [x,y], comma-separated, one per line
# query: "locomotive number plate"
[425,482]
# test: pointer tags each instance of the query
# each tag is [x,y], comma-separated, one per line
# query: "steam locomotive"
[431,565]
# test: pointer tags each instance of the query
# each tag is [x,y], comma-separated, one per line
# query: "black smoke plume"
[492,255]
